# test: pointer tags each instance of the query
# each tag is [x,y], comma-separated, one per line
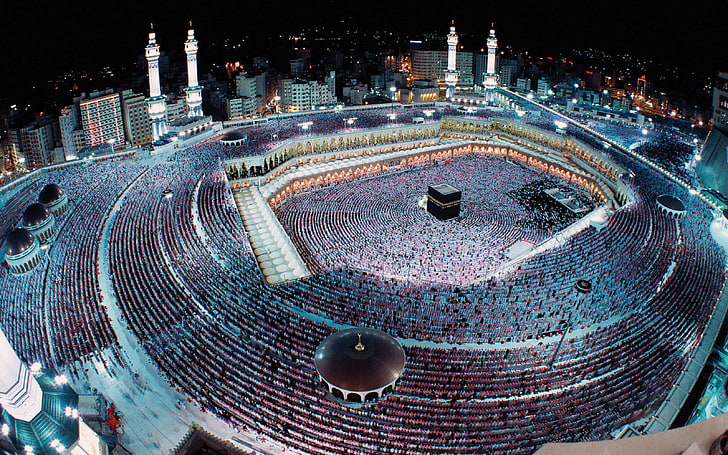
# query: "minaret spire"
[451,74]
[20,394]
[490,79]
[156,104]
[193,90]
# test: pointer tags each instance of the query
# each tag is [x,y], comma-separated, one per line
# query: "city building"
[38,141]
[432,65]
[712,169]
[253,89]
[720,101]
[137,124]
[304,95]
[72,136]
[101,119]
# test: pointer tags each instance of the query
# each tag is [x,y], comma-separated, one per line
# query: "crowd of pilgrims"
[264,136]
[189,288]
[376,224]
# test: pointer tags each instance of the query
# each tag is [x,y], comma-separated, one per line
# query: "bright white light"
[68,411]
[5,429]
[529,96]
[392,89]
[61,379]
[560,124]
[61,448]
[698,157]
[693,191]
[35,367]
[428,112]
[55,443]
[644,131]
[28,449]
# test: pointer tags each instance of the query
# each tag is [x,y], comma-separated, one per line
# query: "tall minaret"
[451,74]
[20,393]
[490,81]
[194,91]
[157,104]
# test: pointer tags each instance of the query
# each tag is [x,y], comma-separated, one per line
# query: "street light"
[582,286]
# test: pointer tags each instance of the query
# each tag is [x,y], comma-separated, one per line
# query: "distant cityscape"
[80,113]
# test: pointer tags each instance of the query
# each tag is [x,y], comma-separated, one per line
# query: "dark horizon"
[44,43]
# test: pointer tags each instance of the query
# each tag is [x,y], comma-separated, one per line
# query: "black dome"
[233,136]
[18,241]
[50,193]
[671,202]
[378,363]
[35,214]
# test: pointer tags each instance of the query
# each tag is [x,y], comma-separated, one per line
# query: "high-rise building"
[251,88]
[431,65]
[38,139]
[713,166]
[193,90]
[304,95]
[101,119]
[137,124]
[72,136]
[720,101]
[157,104]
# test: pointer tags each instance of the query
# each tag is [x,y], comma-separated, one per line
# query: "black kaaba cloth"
[443,201]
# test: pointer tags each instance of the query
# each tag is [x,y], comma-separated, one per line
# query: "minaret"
[451,74]
[20,393]
[490,81]
[157,104]
[194,91]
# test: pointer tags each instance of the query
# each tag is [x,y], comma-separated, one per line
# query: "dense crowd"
[189,288]
[376,224]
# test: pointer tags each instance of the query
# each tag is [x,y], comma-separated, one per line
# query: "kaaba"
[443,201]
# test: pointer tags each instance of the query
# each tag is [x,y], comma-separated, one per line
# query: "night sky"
[39,41]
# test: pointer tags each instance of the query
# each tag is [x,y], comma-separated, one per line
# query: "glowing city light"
[60,380]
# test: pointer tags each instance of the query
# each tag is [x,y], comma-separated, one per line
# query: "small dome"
[232,136]
[35,214]
[18,241]
[360,359]
[50,193]
[671,203]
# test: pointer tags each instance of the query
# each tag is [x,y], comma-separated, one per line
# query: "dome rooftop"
[671,203]
[35,214]
[360,359]
[232,136]
[50,193]
[18,241]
